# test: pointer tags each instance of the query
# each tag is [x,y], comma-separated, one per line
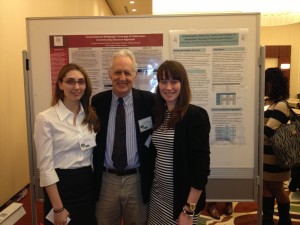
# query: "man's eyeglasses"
[73,82]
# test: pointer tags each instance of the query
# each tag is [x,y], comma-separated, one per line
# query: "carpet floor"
[244,213]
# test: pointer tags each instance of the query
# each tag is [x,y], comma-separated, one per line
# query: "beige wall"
[14,169]
[286,35]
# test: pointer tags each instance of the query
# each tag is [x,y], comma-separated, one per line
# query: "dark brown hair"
[279,84]
[172,69]
[90,116]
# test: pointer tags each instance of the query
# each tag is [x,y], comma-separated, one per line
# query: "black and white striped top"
[161,202]
[273,117]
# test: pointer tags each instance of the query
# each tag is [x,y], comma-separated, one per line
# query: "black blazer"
[191,157]
[143,102]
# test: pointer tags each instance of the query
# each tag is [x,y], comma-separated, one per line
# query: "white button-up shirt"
[57,142]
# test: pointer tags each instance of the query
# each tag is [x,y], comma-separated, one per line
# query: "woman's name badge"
[145,124]
[87,141]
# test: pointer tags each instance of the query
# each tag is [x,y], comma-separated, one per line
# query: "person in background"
[181,138]
[123,191]
[64,137]
[294,184]
[277,92]
[213,211]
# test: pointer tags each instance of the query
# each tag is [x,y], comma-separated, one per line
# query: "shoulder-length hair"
[90,115]
[279,88]
[172,69]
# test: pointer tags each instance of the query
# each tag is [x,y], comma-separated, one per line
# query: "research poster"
[216,63]
[93,52]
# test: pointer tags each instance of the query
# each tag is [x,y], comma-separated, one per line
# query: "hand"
[184,219]
[61,218]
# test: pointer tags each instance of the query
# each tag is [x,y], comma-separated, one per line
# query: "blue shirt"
[131,142]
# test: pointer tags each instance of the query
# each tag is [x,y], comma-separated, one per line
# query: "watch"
[191,214]
[192,206]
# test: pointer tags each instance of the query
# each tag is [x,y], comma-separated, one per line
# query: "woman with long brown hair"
[181,138]
[64,137]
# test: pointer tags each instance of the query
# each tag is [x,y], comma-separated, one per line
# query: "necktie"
[119,155]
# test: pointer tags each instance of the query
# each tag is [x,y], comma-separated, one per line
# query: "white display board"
[220,52]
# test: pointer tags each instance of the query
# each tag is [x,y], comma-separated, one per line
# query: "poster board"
[234,161]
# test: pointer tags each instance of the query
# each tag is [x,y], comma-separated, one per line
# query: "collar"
[126,98]
[63,112]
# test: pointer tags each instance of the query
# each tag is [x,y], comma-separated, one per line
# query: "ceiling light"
[133,10]
[131,2]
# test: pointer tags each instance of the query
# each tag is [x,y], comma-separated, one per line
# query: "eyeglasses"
[118,73]
[73,82]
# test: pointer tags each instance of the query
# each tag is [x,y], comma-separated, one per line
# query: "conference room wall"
[286,35]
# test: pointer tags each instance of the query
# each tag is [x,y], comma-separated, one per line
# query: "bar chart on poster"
[219,51]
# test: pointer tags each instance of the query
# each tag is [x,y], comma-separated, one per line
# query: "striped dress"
[161,201]
[273,117]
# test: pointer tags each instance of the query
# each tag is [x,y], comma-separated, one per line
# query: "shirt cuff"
[48,178]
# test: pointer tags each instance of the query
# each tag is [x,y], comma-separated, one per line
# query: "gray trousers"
[121,198]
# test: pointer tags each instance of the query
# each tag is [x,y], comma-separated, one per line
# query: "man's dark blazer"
[143,102]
